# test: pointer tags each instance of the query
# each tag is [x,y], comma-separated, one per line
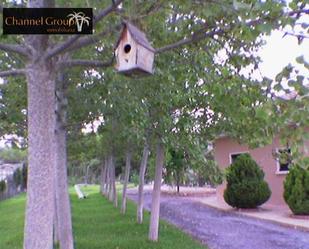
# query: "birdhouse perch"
[134,54]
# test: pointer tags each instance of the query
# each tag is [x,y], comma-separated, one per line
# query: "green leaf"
[265,28]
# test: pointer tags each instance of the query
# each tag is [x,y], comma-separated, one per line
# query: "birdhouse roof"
[137,35]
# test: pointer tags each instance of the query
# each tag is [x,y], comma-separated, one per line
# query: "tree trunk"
[155,205]
[38,233]
[115,196]
[126,180]
[106,178]
[178,181]
[142,170]
[62,194]
[110,182]
[63,205]
[103,177]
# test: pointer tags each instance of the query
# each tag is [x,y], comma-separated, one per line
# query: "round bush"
[246,187]
[296,190]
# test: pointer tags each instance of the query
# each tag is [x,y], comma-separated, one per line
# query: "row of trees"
[194,95]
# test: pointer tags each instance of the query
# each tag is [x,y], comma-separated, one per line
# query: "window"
[233,156]
[284,159]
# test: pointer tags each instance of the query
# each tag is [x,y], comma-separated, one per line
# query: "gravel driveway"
[223,230]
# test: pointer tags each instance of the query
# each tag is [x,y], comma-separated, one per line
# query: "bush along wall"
[246,187]
[17,176]
[296,190]
[2,186]
[24,173]
[14,184]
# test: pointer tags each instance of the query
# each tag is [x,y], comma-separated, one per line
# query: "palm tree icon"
[80,18]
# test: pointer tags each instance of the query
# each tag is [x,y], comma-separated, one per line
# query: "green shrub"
[246,187]
[17,176]
[2,186]
[13,155]
[24,172]
[134,179]
[24,175]
[296,190]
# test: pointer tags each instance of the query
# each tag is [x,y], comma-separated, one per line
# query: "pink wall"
[263,156]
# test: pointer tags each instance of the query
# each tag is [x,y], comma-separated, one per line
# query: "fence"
[84,174]
[12,187]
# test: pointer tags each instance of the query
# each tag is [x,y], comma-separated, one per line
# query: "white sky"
[280,51]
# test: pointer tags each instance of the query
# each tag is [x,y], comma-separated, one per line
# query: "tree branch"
[72,44]
[153,9]
[13,72]
[70,41]
[106,11]
[87,63]
[14,49]
[298,12]
[89,40]
[299,36]
[62,47]
[191,39]
[198,36]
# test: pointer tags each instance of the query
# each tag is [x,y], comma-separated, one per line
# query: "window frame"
[236,153]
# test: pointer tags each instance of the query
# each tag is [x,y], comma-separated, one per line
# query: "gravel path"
[222,230]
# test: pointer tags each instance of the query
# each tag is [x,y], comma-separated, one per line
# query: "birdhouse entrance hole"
[127,48]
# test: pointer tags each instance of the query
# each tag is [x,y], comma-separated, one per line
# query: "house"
[227,149]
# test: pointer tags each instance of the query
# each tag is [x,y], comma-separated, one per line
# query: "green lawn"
[97,225]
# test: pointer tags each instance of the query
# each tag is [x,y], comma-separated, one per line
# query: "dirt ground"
[223,230]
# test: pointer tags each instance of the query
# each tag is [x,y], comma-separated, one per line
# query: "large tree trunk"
[142,170]
[41,78]
[62,195]
[126,180]
[155,206]
[38,233]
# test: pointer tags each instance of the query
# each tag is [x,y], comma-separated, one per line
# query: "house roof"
[293,94]
[8,169]
[288,96]
[137,35]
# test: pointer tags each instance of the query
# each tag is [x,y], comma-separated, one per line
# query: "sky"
[280,51]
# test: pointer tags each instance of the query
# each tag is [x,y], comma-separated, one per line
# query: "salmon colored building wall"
[224,147]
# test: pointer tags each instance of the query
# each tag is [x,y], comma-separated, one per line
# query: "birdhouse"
[134,54]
